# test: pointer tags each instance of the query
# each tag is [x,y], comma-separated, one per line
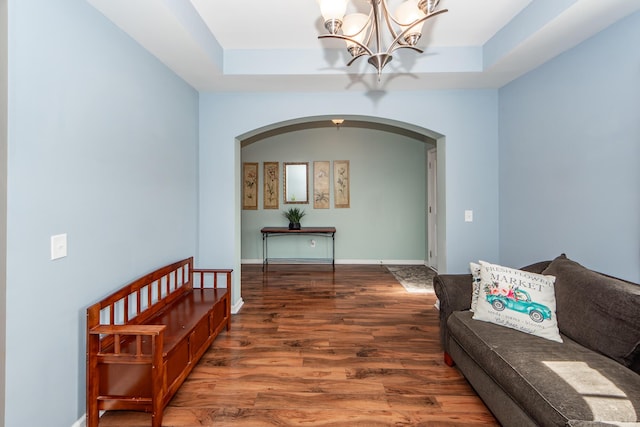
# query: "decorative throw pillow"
[475,281]
[518,299]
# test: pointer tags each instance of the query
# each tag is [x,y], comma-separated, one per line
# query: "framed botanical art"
[271,190]
[341,183]
[321,185]
[249,186]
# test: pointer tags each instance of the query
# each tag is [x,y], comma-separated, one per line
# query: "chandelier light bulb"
[428,6]
[355,27]
[333,11]
[407,14]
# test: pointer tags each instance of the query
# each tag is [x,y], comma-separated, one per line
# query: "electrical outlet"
[313,243]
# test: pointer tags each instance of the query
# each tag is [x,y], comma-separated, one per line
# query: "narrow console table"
[304,231]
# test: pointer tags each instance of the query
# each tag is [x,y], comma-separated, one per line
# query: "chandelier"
[363,33]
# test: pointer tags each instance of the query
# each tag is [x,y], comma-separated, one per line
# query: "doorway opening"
[433,187]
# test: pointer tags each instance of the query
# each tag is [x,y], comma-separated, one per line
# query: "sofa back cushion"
[598,311]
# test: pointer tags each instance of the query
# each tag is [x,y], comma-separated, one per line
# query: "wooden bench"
[144,339]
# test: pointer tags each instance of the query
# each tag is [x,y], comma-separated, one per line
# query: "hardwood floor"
[315,347]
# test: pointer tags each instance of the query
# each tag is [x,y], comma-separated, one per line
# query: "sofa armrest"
[454,293]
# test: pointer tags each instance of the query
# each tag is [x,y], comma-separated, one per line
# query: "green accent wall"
[385,222]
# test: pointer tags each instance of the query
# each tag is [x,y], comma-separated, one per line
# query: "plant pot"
[294,226]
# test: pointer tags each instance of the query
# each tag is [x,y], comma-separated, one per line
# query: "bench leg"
[157,411]
[158,378]
[93,378]
[448,360]
[156,417]
[92,416]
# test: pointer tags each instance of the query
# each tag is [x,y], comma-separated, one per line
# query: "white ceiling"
[260,45]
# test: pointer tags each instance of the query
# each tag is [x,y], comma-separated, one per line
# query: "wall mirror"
[296,182]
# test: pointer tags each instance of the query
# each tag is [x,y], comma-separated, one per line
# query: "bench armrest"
[205,275]
[111,336]
[213,270]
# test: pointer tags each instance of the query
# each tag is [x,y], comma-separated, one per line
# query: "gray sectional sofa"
[592,378]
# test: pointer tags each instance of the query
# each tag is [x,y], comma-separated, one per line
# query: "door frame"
[431,255]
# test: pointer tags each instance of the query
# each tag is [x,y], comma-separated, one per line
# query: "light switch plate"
[468,216]
[58,246]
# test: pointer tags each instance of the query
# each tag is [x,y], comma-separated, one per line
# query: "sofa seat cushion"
[556,383]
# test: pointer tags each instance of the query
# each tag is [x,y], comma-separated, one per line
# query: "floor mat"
[415,278]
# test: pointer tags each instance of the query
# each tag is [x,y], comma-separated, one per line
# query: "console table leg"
[264,251]
[333,251]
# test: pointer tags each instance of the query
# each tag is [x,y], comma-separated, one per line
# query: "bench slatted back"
[143,298]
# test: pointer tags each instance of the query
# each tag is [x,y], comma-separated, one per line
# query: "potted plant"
[294,215]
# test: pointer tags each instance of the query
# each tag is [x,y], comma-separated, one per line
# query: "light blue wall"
[569,157]
[103,142]
[468,119]
[102,146]
[387,177]
[3,199]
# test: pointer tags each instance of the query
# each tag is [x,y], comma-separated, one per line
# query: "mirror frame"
[298,200]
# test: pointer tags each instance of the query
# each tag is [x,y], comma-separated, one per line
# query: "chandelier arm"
[354,59]
[368,33]
[341,37]
[388,17]
[401,46]
[397,42]
[427,16]
[370,29]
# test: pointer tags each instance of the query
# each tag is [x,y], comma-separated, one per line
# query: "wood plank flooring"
[314,347]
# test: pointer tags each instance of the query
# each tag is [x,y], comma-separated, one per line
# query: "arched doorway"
[352,122]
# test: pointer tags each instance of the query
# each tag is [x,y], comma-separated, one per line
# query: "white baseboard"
[82,422]
[381,261]
[235,309]
[357,261]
